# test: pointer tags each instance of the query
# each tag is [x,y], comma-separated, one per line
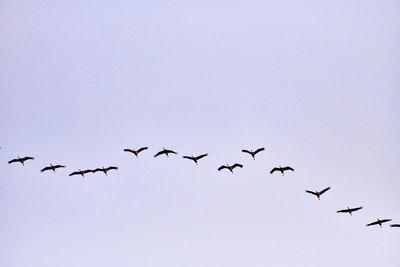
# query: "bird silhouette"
[105,170]
[166,152]
[318,194]
[22,160]
[80,172]
[253,153]
[379,222]
[281,169]
[52,167]
[195,159]
[348,210]
[230,167]
[136,152]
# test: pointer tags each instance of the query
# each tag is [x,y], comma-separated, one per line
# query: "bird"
[350,211]
[379,222]
[80,172]
[105,170]
[136,152]
[281,169]
[230,167]
[22,160]
[195,159]
[166,152]
[395,225]
[318,194]
[52,167]
[253,153]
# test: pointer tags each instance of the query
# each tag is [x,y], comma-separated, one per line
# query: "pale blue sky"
[316,83]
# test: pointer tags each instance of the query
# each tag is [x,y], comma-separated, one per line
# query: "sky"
[315,83]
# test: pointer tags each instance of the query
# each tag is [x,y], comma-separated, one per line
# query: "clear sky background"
[314,82]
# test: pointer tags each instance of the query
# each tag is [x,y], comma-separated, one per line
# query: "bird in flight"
[136,152]
[22,160]
[166,152]
[105,170]
[230,167]
[80,172]
[52,167]
[395,225]
[318,194]
[195,159]
[348,210]
[281,169]
[253,153]
[379,222]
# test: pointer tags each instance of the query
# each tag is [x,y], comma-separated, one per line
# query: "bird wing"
[170,151]
[373,223]
[187,157]
[222,167]
[311,192]
[355,209]
[45,169]
[237,165]
[246,151]
[259,150]
[159,153]
[95,170]
[141,149]
[113,168]
[385,220]
[274,169]
[74,173]
[395,225]
[13,160]
[287,168]
[129,150]
[27,158]
[202,156]
[59,166]
[344,211]
[323,191]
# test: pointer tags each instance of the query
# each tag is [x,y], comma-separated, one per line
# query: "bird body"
[253,153]
[105,170]
[348,210]
[52,167]
[195,159]
[379,222]
[281,169]
[318,194]
[230,168]
[136,152]
[166,152]
[22,160]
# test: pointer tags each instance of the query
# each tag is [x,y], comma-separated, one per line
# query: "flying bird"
[318,194]
[22,160]
[52,167]
[195,159]
[166,152]
[379,222]
[230,167]
[348,210]
[136,152]
[253,153]
[281,169]
[80,172]
[105,170]
[395,225]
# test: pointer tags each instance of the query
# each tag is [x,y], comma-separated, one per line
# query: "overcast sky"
[314,82]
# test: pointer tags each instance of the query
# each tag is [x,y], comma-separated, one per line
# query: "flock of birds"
[280,169]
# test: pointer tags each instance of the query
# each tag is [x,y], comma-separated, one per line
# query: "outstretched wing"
[13,160]
[59,166]
[129,150]
[237,165]
[159,153]
[112,168]
[287,168]
[142,148]
[74,173]
[311,192]
[222,167]
[246,151]
[95,170]
[323,191]
[274,169]
[355,209]
[170,151]
[187,157]
[202,156]
[373,223]
[395,225]
[45,169]
[385,220]
[343,211]
[28,158]
[259,150]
